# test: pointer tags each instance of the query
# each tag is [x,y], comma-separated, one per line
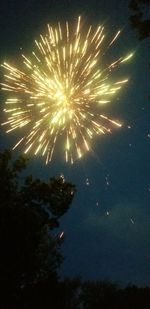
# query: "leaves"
[140,19]
[29,211]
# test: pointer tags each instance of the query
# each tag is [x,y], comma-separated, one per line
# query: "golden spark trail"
[56,101]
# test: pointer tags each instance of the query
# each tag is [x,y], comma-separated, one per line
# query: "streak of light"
[61,92]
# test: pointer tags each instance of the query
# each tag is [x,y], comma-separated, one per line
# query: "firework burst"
[59,96]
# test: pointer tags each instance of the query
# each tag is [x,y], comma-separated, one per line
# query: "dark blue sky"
[107,227]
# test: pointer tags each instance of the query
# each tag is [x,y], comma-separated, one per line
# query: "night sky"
[107,229]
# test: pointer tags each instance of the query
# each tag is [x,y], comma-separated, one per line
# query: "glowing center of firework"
[60,94]
[64,109]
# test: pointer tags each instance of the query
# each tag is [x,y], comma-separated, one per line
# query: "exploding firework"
[58,98]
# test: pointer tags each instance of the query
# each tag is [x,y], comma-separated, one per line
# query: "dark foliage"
[96,295]
[30,251]
[140,19]
[29,211]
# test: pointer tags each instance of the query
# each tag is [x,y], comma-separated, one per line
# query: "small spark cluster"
[57,99]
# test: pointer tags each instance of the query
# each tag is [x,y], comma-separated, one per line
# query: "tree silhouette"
[140,19]
[98,294]
[104,295]
[29,212]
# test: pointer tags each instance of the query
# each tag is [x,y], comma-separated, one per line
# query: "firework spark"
[59,96]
